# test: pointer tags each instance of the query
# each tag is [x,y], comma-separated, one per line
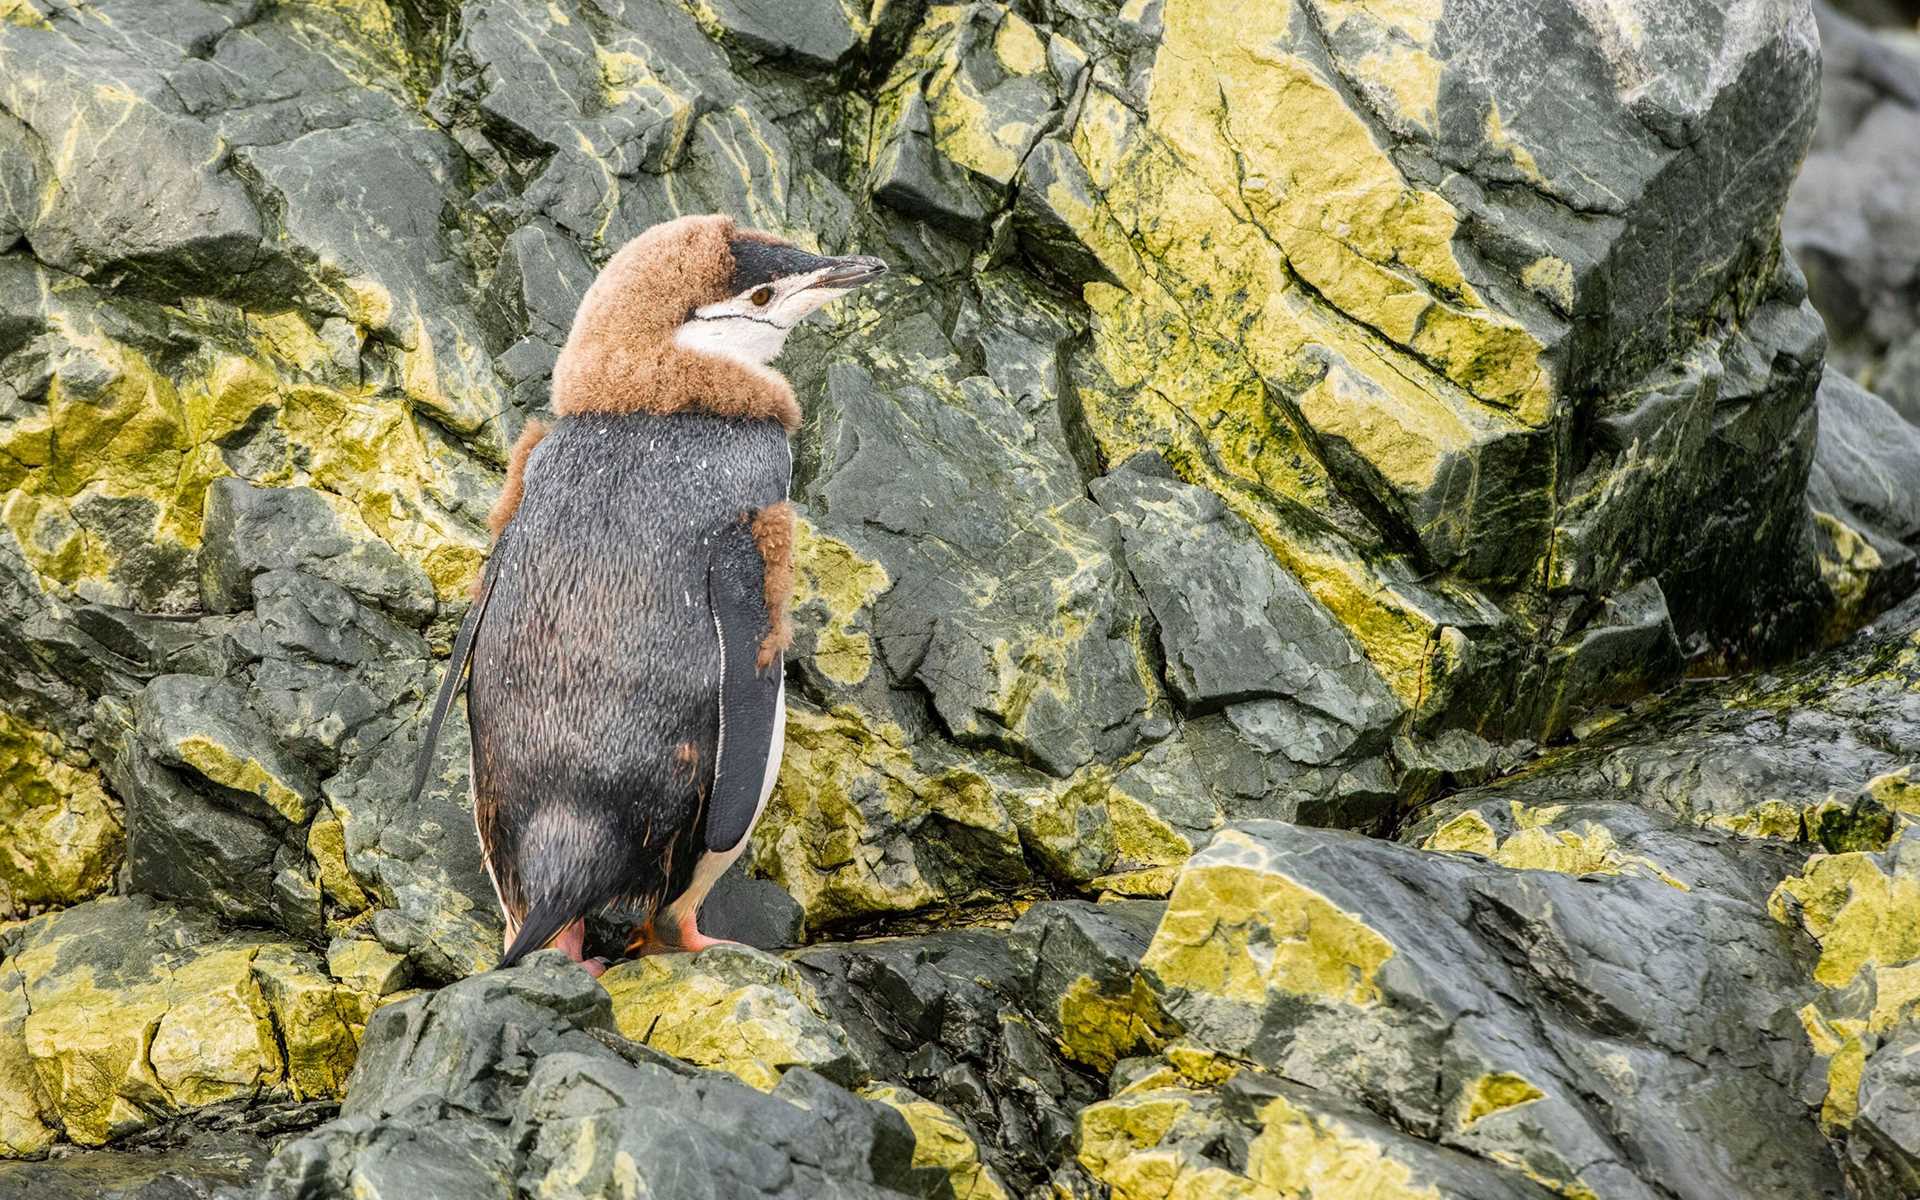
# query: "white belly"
[714,863]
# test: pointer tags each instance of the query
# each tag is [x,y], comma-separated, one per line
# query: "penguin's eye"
[761,297]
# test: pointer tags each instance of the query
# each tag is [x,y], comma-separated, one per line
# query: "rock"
[1850,217]
[1880,12]
[813,33]
[248,530]
[1085,982]
[1300,433]
[961,110]
[1256,1135]
[942,1142]
[755,912]
[1234,626]
[1049,673]
[196,1171]
[1293,948]
[64,833]
[730,1008]
[944,1015]
[1865,492]
[1858,907]
[1884,1152]
[517,1078]
[1777,757]
[134,1011]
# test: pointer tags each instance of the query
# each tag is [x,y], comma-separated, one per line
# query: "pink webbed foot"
[573,939]
[684,938]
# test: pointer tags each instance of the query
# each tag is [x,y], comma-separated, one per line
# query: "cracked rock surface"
[1250,550]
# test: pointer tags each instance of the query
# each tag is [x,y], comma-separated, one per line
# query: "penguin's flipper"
[450,684]
[749,698]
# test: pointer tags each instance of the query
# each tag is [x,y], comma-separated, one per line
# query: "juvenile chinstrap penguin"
[623,653]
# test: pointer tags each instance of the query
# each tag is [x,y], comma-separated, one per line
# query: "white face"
[753,326]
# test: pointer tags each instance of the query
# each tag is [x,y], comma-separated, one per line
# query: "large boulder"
[516,1082]
[121,1013]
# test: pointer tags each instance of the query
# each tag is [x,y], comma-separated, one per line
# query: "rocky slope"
[1283,424]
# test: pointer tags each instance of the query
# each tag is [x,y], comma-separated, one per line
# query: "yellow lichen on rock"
[941,1142]
[1898,790]
[130,432]
[61,835]
[1240,929]
[1195,399]
[1779,819]
[1241,110]
[220,764]
[327,848]
[1849,566]
[1114,1129]
[174,1018]
[1861,916]
[1098,1027]
[731,1008]
[1586,849]
[1495,1093]
[1867,924]
[26,1125]
[1301,1154]
[1839,1041]
[828,573]
[966,129]
[836,833]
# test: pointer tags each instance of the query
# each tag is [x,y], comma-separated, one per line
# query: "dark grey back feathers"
[595,674]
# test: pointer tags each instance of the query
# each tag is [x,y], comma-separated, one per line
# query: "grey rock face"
[1886,1159]
[945,1015]
[1427,977]
[1234,626]
[1851,219]
[1296,412]
[516,1080]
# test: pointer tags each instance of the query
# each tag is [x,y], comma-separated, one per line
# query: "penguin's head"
[774,285]
[685,303]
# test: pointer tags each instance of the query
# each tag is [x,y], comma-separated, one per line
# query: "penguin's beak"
[849,272]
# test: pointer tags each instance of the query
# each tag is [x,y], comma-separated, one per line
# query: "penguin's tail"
[564,872]
[543,922]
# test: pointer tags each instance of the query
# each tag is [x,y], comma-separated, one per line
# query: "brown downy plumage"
[515,486]
[620,356]
[773,534]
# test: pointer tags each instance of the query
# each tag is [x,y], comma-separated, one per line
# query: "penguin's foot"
[573,939]
[685,937]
